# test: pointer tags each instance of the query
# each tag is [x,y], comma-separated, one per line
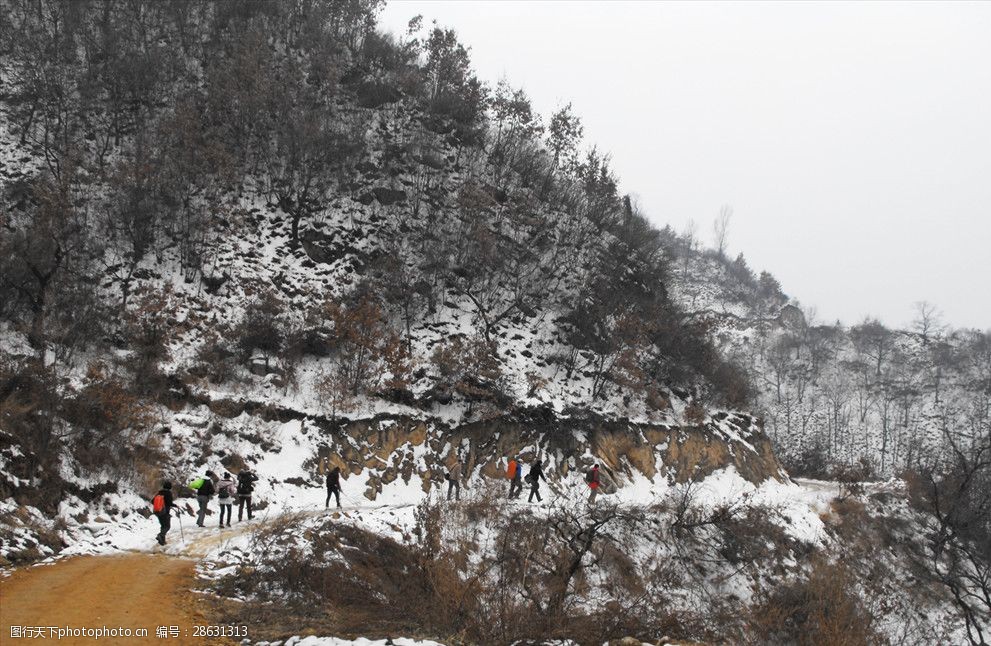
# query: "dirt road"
[130,591]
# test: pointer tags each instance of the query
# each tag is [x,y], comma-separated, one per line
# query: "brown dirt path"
[128,590]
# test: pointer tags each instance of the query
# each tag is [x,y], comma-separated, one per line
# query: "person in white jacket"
[226,490]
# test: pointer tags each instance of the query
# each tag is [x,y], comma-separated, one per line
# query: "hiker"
[454,481]
[162,505]
[245,486]
[333,486]
[204,491]
[225,496]
[592,478]
[534,477]
[515,474]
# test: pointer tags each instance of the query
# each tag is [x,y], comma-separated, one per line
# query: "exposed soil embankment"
[411,447]
[406,447]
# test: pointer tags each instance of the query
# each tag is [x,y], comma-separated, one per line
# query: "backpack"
[590,476]
[196,484]
[511,470]
[244,482]
[227,491]
[158,503]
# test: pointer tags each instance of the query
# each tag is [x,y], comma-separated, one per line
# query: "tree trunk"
[297,215]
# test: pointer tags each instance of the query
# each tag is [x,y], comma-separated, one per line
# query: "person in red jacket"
[593,483]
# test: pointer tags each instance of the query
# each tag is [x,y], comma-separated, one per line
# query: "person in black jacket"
[333,486]
[534,477]
[245,486]
[165,515]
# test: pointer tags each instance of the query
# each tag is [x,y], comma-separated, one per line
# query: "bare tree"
[928,321]
[516,123]
[689,238]
[311,150]
[564,135]
[38,260]
[573,539]
[960,546]
[780,362]
[873,340]
[720,229]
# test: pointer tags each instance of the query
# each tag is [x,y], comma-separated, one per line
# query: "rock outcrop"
[401,447]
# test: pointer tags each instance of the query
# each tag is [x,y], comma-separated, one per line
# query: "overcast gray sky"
[853,141]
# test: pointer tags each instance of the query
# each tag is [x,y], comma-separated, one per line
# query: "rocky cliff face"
[421,450]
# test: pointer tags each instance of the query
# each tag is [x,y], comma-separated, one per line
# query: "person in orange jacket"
[514,472]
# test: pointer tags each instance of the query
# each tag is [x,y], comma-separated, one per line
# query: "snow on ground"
[798,507]
[20,529]
[137,533]
[798,510]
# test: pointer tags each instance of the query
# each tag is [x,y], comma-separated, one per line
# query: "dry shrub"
[233,462]
[113,422]
[335,391]
[360,332]
[822,609]
[535,383]
[849,509]
[656,400]
[216,358]
[849,516]
[470,368]
[860,471]
[852,522]
[810,461]
[148,327]
[347,580]
[398,360]
[263,327]
[694,413]
[148,461]
[29,400]
[752,536]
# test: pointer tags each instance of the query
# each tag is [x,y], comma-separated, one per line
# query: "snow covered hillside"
[267,236]
[394,257]
[834,396]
